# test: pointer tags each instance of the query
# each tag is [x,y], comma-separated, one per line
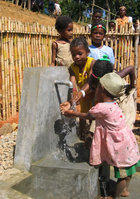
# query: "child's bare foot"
[125,193]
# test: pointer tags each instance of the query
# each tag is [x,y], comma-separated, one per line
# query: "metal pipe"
[67,83]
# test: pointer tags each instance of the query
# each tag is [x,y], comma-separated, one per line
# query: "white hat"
[113,83]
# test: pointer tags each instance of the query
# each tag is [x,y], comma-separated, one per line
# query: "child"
[100,68]
[97,16]
[61,55]
[114,142]
[80,71]
[123,19]
[112,25]
[57,11]
[97,50]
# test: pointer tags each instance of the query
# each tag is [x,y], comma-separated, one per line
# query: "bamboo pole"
[5,76]
[16,71]
[136,51]
[125,46]
[119,52]
[122,49]
[11,72]
[116,50]
[3,79]
[13,69]
[8,76]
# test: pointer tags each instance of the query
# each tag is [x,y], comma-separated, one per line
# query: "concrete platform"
[7,190]
[62,180]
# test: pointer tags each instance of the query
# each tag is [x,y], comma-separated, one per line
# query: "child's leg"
[104,176]
[122,185]
[125,192]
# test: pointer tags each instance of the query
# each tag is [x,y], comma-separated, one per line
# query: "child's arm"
[72,113]
[76,97]
[54,53]
[66,105]
[128,71]
[91,65]
[73,79]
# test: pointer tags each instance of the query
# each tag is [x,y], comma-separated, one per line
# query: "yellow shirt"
[81,78]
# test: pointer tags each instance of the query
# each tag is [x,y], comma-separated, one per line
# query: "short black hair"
[96,10]
[80,41]
[97,24]
[62,23]
[102,67]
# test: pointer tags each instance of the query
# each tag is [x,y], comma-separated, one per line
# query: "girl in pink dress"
[114,142]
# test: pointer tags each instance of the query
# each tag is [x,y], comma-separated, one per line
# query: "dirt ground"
[15,12]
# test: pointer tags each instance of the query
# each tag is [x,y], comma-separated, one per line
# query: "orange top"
[122,21]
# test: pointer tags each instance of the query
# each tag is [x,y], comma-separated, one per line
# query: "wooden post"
[136,49]
[17,2]
[108,13]
[29,4]
[93,2]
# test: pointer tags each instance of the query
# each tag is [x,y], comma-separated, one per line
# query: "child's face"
[68,32]
[97,35]
[122,12]
[96,17]
[79,55]
[112,25]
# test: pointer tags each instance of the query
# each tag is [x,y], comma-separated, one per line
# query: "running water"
[66,130]
[68,152]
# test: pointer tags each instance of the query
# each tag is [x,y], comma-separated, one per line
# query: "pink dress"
[113,141]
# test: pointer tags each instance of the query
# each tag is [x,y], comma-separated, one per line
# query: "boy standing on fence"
[97,16]
[123,19]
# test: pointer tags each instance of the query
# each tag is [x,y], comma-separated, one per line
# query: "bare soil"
[10,10]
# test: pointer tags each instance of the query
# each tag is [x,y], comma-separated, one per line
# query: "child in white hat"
[114,142]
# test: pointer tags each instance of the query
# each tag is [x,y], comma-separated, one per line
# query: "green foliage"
[75,8]
[133,6]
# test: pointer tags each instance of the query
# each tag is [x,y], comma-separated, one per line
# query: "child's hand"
[77,96]
[68,113]
[65,106]
[75,93]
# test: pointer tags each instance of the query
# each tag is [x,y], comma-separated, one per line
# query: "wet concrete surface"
[8,180]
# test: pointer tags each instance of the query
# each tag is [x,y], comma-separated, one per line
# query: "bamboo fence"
[29,45]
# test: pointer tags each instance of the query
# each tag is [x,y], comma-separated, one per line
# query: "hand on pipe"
[65,106]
